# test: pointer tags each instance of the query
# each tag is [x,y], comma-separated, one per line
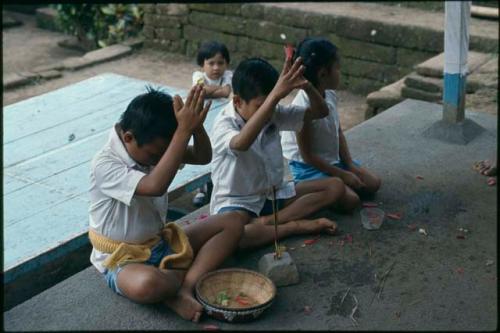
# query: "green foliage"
[100,25]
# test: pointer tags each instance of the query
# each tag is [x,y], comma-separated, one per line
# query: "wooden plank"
[11,184]
[45,230]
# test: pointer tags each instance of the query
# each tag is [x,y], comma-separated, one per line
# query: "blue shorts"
[266,210]
[158,252]
[302,171]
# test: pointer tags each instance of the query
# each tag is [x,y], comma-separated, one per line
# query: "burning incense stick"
[275,213]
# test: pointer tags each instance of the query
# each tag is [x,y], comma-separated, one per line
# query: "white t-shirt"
[115,211]
[224,80]
[245,178]
[325,132]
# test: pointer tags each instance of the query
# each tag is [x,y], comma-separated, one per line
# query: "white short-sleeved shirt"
[245,178]
[224,80]
[115,211]
[325,133]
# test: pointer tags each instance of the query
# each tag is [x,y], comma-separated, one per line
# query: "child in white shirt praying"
[247,157]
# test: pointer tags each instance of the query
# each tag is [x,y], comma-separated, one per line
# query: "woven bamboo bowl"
[247,294]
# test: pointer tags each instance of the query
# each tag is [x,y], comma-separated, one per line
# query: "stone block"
[266,50]
[168,33]
[273,32]
[198,34]
[252,10]
[282,272]
[386,97]
[408,92]
[192,48]
[107,53]
[242,44]
[491,66]
[15,80]
[484,44]
[435,66]
[75,63]
[232,9]
[360,85]
[43,68]
[372,70]
[149,19]
[178,9]
[134,42]
[389,34]
[425,83]
[235,25]
[164,21]
[148,7]
[411,58]
[363,50]
[208,7]
[51,74]
[148,31]
[298,18]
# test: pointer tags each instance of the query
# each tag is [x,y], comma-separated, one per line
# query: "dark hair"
[316,53]
[254,77]
[210,49]
[149,116]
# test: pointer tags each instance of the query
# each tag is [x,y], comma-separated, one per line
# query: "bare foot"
[486,168]
[315,226]
[186,306]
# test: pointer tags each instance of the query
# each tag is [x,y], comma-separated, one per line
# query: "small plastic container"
[372,218]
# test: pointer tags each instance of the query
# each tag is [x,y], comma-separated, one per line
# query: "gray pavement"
[438,282]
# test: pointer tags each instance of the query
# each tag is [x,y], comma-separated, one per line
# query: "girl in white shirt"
[319,150]
[213,58]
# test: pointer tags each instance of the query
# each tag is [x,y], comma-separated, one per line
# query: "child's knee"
[335,188]
[235,222]
[152,288]
[374,185]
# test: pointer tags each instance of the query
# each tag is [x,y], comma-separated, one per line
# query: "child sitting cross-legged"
[141,257]
[247,157]
[319,150]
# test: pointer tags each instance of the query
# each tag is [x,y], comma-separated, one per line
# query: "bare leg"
[258,234]
[349,202]
[371,181]
[147,284]
[311,197]
[213,240]
[486,168]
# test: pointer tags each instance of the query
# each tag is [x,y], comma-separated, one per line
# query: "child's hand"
[351,180]
[192,114]
[290,78]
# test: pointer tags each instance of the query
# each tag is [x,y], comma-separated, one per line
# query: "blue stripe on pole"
[453,88]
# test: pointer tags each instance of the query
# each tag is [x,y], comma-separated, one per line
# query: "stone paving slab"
[97,56]
[434,66]
[421,95]
[438,281]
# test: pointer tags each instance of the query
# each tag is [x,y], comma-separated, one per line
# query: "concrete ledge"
[437,277]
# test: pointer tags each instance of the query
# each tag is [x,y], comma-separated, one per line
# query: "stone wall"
[374,54]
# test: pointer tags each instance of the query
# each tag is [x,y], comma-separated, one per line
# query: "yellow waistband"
[122,253]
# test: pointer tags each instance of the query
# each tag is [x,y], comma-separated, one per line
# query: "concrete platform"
[438,281]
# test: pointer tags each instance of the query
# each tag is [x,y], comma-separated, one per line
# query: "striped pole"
[456,45]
